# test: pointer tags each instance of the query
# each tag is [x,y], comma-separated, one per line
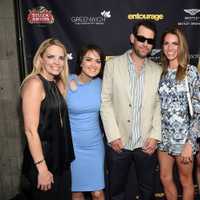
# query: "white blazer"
[116,110]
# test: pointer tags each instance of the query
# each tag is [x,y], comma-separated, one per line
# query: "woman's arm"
[194,130]
[32,94]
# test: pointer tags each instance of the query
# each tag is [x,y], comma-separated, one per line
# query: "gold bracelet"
[38,162]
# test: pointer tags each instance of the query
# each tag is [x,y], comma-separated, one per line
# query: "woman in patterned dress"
[179,133]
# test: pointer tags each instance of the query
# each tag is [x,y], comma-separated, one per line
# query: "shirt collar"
[131,63]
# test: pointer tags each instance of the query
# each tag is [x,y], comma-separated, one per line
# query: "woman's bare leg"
[77,196]
[166,175]
[98,195]
[186,179]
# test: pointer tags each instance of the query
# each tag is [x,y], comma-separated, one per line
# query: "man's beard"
[137,52]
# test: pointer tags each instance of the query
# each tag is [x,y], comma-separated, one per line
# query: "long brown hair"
[183,53]
[198,66]
[37,66]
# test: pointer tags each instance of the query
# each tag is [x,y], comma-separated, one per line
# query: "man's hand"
[150,146]
[117,145]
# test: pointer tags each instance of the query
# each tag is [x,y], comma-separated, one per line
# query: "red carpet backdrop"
[106,23]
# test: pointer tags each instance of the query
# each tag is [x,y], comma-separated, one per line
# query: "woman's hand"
[45,178]
[186,154]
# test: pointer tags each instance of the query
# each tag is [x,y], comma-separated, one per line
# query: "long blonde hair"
[198,66]
[37,66]
[183,53]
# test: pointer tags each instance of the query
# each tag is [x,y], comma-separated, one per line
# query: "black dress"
[55,135]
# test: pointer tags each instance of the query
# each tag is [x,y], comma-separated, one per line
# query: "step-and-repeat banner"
[106,23]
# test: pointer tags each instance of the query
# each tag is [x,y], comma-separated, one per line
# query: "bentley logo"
[106,14]
[192,11]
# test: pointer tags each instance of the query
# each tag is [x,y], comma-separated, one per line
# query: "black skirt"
[61,189]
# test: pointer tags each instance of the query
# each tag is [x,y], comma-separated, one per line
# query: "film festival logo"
[70,56]
[40,15]
[192,17]
[91,20]
[106,14]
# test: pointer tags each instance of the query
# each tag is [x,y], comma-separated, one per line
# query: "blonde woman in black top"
[49,149]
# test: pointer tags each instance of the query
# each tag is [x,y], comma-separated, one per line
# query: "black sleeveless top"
[54,132]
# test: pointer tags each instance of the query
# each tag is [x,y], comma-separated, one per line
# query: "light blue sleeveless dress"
[84,105]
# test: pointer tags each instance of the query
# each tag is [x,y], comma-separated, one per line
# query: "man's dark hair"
[146,23]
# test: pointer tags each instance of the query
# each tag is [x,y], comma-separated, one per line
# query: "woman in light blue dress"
[179,125]
[83,99]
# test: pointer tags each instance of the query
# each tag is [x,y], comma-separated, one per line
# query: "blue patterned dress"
[176,122]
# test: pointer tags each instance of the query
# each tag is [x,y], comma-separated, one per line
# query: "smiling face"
[142,48]
[170,49]
[91,64]
[52,61]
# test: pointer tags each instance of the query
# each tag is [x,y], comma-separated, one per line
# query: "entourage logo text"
[146,16]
